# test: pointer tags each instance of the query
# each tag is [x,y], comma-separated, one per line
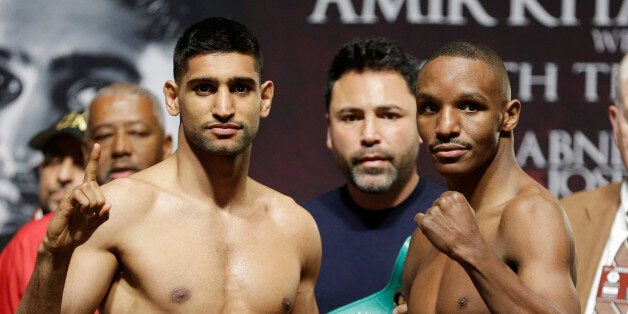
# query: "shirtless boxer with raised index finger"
[193,233]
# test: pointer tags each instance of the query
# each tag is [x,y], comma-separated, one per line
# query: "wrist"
[47,249]
[471,256]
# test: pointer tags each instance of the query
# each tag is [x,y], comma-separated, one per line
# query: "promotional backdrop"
[561,57]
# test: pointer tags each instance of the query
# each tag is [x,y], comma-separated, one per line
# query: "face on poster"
[54,56]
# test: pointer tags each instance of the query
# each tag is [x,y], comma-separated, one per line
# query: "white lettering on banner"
[559,180]
[527,80]
[622,16]
[518,9]
[560,148]
[568,149]
[523,81]
[592,72]
[567,158]
[347,12]
[603,16]
[475,8]
[583,146]
[610,40]
[391,10]
[530,148]
[568,13]
[434,11]
[521,12]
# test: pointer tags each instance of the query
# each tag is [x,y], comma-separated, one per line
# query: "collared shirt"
[617,235]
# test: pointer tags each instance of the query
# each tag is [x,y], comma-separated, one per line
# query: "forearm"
[502,289]
[45,289]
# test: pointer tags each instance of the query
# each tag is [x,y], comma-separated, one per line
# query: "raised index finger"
[92,165]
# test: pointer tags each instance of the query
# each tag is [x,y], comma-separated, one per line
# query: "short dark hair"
[376,54]
[474,50]
[216,34]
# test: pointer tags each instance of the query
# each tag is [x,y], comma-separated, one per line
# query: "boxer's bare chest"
[207,263]
[442,285]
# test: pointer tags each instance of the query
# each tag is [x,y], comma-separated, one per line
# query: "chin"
[372,189]
[451,170]
[374,186]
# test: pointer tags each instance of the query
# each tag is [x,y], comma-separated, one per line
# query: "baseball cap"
[71,124]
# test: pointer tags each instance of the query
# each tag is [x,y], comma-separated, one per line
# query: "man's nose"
[121,145]
[223,109]
[448,124]
[370,132]
[66,171]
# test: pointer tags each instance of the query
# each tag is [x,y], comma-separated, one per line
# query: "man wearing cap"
[127,121]
[61,170]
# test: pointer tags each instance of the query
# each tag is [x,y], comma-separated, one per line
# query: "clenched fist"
[451,226]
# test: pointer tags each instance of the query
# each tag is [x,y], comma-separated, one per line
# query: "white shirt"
[618,234]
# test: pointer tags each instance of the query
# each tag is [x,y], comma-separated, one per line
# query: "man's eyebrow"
[243,79]
[388,107]
[462,96]
[100,126]
[124,124]
[424,96]
[139,122]
[200,80]
[349,109]
[472,96]
[233,80]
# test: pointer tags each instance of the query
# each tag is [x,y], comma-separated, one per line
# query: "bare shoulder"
[132,198]
[292,219]
[534,221]
[136,193]
[125,194]
[280,206]
[532,203]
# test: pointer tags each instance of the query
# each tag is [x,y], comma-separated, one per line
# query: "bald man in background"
[128,122]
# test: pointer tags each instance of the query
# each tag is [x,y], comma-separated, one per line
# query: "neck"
[222,179]
[491,183]
[387,199]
